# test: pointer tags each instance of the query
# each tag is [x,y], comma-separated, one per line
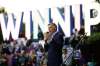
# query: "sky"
[23,5]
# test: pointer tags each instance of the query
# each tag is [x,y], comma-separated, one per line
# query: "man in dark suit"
[53,45]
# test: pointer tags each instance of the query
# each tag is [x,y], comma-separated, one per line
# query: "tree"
[98,1]
[93,47]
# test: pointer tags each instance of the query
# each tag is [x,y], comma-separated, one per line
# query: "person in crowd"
[3,59]
[64,56]
[74,38]
[21,58]
[39,56]
[33,57]
[81,31]
[67,54]
[53,45]
[15,59]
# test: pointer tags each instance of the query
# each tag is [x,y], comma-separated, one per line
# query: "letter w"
[10,27]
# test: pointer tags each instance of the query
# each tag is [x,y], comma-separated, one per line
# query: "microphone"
[46,36]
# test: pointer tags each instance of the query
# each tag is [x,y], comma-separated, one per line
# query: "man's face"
[51,28]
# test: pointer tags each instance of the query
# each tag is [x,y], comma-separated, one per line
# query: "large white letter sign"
[76,13]
[40,19]
[26,20]
[10,26]
[90,21]
[57,19]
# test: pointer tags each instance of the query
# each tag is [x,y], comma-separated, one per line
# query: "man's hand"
[46,36]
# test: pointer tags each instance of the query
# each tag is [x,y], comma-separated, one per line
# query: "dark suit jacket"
[54,49]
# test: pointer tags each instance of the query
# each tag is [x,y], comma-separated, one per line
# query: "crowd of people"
[54,52]
[21,52]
